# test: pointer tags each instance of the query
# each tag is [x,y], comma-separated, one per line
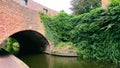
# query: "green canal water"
[49,61]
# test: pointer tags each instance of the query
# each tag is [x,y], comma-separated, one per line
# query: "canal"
[49,61]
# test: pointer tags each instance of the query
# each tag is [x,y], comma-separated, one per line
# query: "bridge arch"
[30,41]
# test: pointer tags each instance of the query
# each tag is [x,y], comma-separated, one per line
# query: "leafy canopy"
[83,6]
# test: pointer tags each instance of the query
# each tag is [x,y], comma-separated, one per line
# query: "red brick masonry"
[105,3]
[15,17]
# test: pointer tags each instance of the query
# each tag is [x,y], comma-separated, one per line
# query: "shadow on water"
[48,61]
[41,60]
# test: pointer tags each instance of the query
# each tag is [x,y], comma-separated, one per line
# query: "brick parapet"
[14,18]
[105,3]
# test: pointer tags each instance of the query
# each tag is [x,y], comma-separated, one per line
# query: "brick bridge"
[20,20]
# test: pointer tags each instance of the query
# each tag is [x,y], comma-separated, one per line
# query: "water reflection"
[48,61]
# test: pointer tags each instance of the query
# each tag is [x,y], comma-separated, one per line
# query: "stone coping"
[9,59]
[20,62]
[64,54]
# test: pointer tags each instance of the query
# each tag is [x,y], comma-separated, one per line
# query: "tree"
[83,6]
[115,0]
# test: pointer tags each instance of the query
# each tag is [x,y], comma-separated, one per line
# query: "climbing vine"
[57,27]
[96,34]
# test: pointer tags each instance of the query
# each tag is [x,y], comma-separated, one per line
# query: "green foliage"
[96,34]
[83,6]
[57,27]
[65,44]
[114,0]
[12,46]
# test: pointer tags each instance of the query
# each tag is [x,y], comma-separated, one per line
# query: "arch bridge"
[21,21]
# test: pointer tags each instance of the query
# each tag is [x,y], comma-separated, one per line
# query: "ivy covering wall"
[96,34]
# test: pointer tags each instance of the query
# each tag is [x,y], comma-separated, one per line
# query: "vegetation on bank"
[58,31]
[58,27]
[95,34]
[11,46]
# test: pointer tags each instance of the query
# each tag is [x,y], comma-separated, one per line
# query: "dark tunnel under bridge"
[30,41]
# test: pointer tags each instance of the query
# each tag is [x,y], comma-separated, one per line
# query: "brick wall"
[37,7]
[14,18]
[105,3]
